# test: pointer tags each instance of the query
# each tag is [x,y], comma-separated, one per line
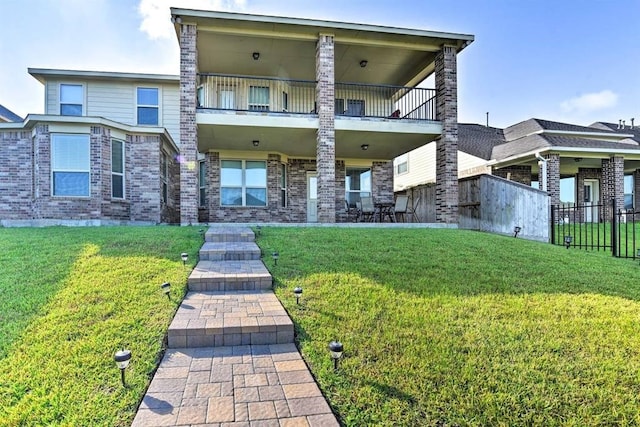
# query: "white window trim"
[243,186]
[159,106]
[84,97]
[261,107]
[123,174]
[52,170]
[398,161]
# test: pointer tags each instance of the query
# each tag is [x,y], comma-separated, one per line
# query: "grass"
[447,327]
[70,298]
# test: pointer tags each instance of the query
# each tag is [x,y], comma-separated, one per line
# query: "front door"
[312,197]
[591,199]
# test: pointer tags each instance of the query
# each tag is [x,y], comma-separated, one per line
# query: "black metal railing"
[265,94]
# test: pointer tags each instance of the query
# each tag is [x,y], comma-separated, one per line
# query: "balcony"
[281,96]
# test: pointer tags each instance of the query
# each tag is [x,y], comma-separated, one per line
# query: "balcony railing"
[262,94]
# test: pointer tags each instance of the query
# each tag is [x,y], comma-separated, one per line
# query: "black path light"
[185,257]
[336,349]
[638,254]
[201,231]
[122,359]
[275,257]
[166,288]
[567,241]
[297,291]
[259,229]
[516,230]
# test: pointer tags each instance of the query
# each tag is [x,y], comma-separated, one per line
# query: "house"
[584,165]
[298,118]
[105,150]
[272,119]
[7,115]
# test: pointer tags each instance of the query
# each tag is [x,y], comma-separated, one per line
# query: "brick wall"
[447,144]
[636,189]
[326,152]
[553,177]
[16,185]
[521,174]
[188,130]
[382,181]
[613,183]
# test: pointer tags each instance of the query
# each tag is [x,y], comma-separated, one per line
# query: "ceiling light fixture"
[364,63]
[256,142]
[364,147]
[256,55]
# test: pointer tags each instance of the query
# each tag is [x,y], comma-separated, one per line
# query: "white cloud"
[590,102]
[156,14]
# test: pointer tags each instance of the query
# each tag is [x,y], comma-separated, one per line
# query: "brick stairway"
[231,359]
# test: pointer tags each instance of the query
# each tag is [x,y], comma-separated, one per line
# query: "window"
[70,165]
[283,185]
[628,191]
[117,169]
[355,107]
[148,106]
[401,164]
[339,106]
[202,183]
[164,172]
[243,183]
[358,184]
[568,190]
[71,100]
[258,98]
[226,98]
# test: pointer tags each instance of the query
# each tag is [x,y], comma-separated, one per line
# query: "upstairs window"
[401,164]
[70,165]
[258,98]
[71,100]
[148,106]
[117,169]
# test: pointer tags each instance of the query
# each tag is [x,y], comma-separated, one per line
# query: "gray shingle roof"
[9,115]
[614,128]
[530,126]
[478,140]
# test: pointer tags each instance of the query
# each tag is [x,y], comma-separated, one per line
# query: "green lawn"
[445,327]
[70,298]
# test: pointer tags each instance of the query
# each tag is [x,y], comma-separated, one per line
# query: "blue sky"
[567,60]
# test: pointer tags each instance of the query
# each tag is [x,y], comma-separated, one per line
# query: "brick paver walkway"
[232,361]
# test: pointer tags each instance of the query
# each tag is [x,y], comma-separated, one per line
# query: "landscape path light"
[567,241]
[185,257]
[275,257]
[516,230]
[336,349]
[122,359]
[297,291]
[166,288]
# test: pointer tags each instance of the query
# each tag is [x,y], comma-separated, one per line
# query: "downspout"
[542,174]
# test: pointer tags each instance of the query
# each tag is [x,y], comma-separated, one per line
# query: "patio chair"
[367,210]
[353,213]
[400,208]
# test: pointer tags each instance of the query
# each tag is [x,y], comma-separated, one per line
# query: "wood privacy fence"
[490,203]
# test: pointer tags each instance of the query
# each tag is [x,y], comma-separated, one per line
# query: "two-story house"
[299,118]
[105,150]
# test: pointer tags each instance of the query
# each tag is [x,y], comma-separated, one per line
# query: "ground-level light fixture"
[275,257]
[259,229]
[567,241]
[185,257]
[336,349]
[297,291]
[122,359]
[516,230]
[166,289]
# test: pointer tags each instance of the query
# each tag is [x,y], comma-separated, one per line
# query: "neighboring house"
[7,115]
[105,150]
[584,164]
[294,115]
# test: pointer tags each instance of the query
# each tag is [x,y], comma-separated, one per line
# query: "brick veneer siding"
[447,144]
[188,129]
[16,184]
[382,181]
[636,189]
[326,139]
[521,174]
[586,173]
[613,183]
[553,177]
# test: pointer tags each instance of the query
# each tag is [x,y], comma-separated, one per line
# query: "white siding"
[111,100]
[51,97]
[171,111]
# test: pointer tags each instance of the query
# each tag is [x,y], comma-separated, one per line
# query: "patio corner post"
[447,145]
[326,134]
[188,131]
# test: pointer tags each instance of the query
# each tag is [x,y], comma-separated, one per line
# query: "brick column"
[553,177]
[521,174]
[613,182]
[636,189]
[447,144]
[382,181]
[188,131]
[326,136]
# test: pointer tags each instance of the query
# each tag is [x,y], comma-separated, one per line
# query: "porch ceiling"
[298,142]
[569,165]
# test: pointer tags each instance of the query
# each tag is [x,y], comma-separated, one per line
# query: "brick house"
[103,152]
[295,116]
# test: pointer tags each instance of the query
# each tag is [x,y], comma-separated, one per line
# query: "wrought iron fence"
[263,94]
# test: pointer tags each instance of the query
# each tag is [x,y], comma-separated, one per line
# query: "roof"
[42,74]
[7,115]
[615,127]
[531,126]
[479,140]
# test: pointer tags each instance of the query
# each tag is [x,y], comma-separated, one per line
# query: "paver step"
[230,275]
[245,385]
[229,234]
[229,251]
[213,319]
